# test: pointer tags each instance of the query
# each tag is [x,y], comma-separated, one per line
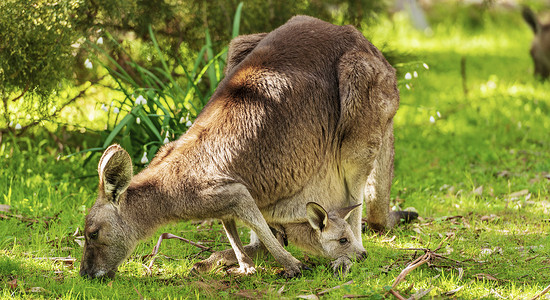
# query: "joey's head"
[108,237]
[334,232]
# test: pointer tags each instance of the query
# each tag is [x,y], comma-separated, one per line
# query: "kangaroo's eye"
[343,241]
[94,235]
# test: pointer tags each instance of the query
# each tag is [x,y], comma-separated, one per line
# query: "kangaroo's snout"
[97,274]
[362,256]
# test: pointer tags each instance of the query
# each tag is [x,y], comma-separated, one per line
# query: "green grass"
[484,161]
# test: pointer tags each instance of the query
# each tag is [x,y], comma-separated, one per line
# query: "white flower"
[138,120]
[408,86]
[438,114]
[144,159]
[17,126]
[182,119]
[104,108]
[88,64]
[432,119]
[116,110]
[415,75]
[11,124]
[189,123]
[100,41]
[408,76]
[166,140]
[425,66]
[141,100]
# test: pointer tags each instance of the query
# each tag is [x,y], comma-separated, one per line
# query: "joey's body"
[303,115]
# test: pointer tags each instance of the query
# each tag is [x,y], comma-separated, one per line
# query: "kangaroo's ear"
[345,212]
[531,19]
[115,172]
[316,215]
[239,48]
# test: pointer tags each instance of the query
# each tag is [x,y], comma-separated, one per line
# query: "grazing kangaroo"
[303,115]
[540,47]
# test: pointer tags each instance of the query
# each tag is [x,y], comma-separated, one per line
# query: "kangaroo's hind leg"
[369,99]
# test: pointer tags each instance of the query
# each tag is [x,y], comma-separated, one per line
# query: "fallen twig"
[546,290]
[428,255]
[168,236]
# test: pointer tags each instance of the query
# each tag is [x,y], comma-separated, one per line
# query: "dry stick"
[415,264]
[546,290]
[167,236]
[397,295]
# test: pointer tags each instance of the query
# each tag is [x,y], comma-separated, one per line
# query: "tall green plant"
[158,106]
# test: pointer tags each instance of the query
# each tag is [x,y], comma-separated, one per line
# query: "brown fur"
[303,115]
[540,47]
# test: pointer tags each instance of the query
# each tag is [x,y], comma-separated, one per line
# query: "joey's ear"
[316,215]
[345,212]
[115,172]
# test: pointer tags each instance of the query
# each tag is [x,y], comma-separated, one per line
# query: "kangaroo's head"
[109,236]
[334,232]
[540,47]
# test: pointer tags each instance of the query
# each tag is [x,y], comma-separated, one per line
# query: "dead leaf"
[518,194]
[478,191]
[13,284]
[452,292]
[421,293]
[460,274]
[488,218]
[281,290]
[389,240]
[504,173]
[486,276]
[37,289]
[4,207]
[489,251]
[80,241]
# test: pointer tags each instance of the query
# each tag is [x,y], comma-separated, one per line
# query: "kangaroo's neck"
[155,198]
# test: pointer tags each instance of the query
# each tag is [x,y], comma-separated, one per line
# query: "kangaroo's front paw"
[294,270]
[243,270]
[341,266]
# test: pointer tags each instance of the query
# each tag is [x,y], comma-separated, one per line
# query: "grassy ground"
[474,164]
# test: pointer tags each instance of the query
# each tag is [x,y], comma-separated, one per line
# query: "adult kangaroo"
[303,115]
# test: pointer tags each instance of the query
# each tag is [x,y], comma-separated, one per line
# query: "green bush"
[35,51]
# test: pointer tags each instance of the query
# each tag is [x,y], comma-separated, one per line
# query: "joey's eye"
[343,241]
[94,235]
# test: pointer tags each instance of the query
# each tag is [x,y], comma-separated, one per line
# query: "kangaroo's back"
[275,121]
